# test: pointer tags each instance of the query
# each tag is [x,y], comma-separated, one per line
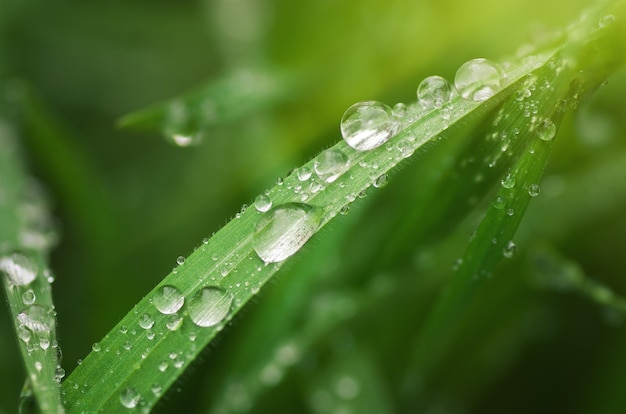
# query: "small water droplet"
[284,229]
[546,130]
[19,269]
[96,347]
[146,321]
[127,345]
[330,164]
[174,322]
[38,365]
[478,79]
[180,260]
[434,91]
[509,250]
[209,306]
[263,203]
[163,366]
[606,20]
[168,300]
[36,318]
[29,297]
[129,397]
[499,203]
[381,181]
[303,173]
[508,182]
[367,125]
[533,190]
[344,210]
[156,389]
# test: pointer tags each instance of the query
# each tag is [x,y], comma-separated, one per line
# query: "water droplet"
[381,181]
[499,202]
[330,164]
[24,334]
[146,321]
[284,229]
[367,125]
[38,365]
[304,173]
[168,300]
[533,190]
[546,130]
[509,250]
[174,322]
[344,210]
[19,269]
[127,345]
[434,91]
[478,79]
[29,297]
[156,389]
[129,397]
[209,306]
[508,181]
[96,347]
[263,203]
[180,260]
[606,20]
[163,366]
[36,318]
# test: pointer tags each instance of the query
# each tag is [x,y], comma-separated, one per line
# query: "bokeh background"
[128,201]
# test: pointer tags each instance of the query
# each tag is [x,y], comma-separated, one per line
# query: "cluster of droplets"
[368,125]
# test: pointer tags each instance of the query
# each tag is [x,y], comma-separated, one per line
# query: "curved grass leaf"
[148,350]
[26,236]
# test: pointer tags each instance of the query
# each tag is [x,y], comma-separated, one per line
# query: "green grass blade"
[138,361]
[561,83]
[223,100]
[26,236]
[149,349]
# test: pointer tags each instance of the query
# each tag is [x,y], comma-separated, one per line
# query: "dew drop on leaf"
[168,300]
[19,269]
[29,297]
[367,125]
[509,250]
[283,230]
[330,164]
[263,203]
[129,397]
[36,318]
[533,190]
[209,306]
[478,79]
[381,181]
[546,130]
[434,91]
[146,321]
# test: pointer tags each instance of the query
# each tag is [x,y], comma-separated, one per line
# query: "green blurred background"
[128,202]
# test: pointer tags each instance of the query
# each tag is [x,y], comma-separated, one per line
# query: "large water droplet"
[168,300]
[209,306]
[533,190]
[367,125]
[434,91]
[478,79]
[546,130]
[284,229]
[129,397]
[19,269]
[36,318]
[330,164]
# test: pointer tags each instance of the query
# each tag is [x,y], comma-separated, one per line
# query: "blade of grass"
[25,238]
[571,73]
[129,358]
